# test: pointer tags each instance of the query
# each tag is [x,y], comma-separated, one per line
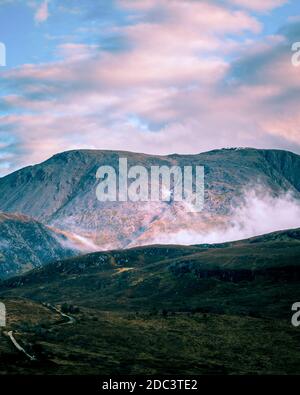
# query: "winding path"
[19,347]
[10,334]
[71,319]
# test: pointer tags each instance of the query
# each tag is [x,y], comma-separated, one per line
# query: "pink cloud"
[171,92]
[42,12]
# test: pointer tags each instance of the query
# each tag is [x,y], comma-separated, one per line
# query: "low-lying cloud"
[257,214]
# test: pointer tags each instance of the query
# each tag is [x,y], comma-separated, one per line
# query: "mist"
[258,213]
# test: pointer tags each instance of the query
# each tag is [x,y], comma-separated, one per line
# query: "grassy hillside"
[207,309]
[103,342]
[259,276]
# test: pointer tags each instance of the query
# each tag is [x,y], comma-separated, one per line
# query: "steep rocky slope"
[26,244]
[62,192]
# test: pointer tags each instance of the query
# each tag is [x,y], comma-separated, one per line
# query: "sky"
[153,76]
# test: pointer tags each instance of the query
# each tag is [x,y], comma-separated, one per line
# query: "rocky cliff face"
[27,244]
[61,192]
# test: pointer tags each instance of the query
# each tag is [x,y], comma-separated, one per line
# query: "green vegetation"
[128,343]
[220,309]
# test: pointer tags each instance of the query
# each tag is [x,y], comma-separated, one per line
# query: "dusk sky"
[153,76]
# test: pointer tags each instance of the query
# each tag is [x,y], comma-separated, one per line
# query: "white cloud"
[258,213]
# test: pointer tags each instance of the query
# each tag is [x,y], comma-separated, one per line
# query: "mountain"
[61,192]
[26,244]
